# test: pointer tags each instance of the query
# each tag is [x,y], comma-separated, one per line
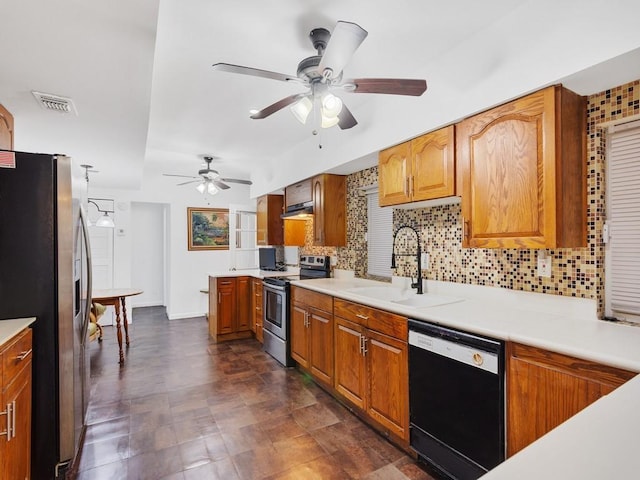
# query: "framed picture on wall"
[208,228]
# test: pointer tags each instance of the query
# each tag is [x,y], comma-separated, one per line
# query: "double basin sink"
[408,298]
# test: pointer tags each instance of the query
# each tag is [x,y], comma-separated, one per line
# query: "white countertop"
[600,441]
[11,327]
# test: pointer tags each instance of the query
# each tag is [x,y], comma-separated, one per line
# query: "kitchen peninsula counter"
[290,272]
[598,442]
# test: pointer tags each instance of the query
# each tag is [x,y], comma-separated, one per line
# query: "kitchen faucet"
[418,284]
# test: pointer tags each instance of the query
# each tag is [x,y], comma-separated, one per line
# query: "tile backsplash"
[575,272]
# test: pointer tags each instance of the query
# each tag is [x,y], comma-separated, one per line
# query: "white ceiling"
[139,72]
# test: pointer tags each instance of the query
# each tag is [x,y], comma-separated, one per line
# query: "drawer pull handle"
[23,355]
[363,317]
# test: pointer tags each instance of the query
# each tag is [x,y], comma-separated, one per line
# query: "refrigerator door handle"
[85,238]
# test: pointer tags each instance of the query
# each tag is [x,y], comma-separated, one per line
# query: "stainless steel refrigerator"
[45,272]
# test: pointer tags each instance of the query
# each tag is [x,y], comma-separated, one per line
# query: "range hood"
[299,211]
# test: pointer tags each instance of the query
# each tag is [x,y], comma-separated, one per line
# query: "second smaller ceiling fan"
[209,180]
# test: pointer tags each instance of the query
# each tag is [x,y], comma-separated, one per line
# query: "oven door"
[274,308]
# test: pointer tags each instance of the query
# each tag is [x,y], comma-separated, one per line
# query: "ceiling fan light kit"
[323,72]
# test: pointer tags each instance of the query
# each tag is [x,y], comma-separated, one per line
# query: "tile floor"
[185,408]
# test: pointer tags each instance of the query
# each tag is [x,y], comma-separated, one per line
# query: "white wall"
[186,271]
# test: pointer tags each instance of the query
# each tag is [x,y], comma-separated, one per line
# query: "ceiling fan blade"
[345,40]
[220,185]
[346,118]
[173,175]
[187,183]
[279,105]
[255,72]
[236,180]
[391,86]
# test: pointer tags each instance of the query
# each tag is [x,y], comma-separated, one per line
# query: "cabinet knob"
[363,317]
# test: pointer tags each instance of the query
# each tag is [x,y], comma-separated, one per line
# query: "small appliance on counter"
[275,305]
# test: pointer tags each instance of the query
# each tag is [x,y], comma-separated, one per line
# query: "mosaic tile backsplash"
[575,272]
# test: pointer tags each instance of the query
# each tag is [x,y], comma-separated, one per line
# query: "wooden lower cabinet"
[350,367]
[256,308]
[388,382]
[546,388]
[371,367]
[229,308]
[16,403]
[312,333]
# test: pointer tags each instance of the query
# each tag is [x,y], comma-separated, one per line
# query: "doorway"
[148,253]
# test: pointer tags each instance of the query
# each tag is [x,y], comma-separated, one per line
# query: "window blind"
[622,253]
[379,237]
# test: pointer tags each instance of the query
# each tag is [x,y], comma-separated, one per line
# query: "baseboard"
[151,303]
[182,316]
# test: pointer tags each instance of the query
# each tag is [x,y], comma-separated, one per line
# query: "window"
[379,236]
[622,250]
[244,250]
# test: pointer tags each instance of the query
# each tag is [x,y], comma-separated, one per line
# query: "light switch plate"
[424,260]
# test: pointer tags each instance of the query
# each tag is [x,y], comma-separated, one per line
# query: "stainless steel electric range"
[275,305]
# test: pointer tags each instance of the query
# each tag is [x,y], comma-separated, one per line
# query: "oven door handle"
[275,288]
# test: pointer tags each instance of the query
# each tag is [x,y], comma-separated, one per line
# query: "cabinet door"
[6,129]
[506,158]
[16,453]
[226,305]
[350,369]
[243,304]
[388,382]
[299,335]
[256,324]
[319,206]
[394,170]
[432,165]
[268,222]
[262,219]
[545,388]
[321,348]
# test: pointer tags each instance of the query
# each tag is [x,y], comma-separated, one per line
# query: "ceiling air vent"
[55,103]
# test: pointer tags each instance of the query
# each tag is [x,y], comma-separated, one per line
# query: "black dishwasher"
[456,400]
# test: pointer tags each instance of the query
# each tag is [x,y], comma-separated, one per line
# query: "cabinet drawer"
[312,299]
[16,354]
[372,318]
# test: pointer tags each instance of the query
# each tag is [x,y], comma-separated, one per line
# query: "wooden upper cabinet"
[6,129]
[433,165]
[521,173]
[394,170]
[269,224]
[420,169]
[329,210]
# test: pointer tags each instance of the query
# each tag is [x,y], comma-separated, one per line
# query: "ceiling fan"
[322,74]
[209,180]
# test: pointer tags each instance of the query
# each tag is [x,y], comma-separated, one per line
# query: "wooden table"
[116,298]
